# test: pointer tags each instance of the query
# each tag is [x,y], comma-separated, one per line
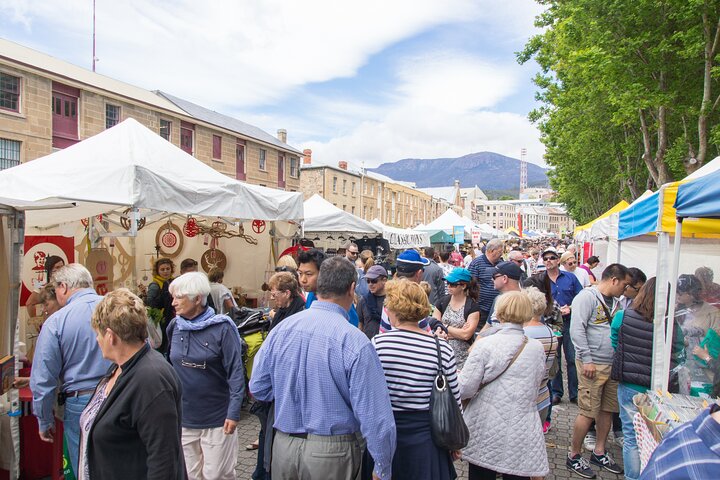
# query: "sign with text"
[459,234]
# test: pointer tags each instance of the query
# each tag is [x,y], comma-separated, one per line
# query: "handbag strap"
[552,339]
[439,358]
[515,357]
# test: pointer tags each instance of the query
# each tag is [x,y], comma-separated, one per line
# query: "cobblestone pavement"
[557,441]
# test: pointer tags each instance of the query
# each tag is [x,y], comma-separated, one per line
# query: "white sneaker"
[589,442]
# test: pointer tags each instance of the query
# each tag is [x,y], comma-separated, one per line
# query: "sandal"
[253,446]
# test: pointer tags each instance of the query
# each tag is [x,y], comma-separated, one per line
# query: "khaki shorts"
[598,394]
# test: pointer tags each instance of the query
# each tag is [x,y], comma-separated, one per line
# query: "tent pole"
[661,293]
[671,305]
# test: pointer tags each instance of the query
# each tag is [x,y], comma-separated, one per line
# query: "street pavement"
[557,441]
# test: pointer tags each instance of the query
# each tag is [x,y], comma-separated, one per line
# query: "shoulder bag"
[515,357]
[448,428]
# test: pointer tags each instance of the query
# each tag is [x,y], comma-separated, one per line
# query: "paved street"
[558,440]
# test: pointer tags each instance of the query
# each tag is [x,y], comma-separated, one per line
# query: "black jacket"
[136,434]
[297,305]
[632,362]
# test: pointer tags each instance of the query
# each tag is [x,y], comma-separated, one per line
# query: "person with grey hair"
[68,360]
[328,386]
[205,351]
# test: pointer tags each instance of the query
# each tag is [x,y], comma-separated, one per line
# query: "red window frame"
[240,172]
[187,137]
[217,147]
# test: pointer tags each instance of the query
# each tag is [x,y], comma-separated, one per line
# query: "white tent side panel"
[642,253]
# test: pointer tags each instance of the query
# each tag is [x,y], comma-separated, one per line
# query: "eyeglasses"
[519,262]
[552,257]
[498,275]
[275,293]
[374,280]
[633,287]
[353,253]
[456,284]
[284,269]
[570,263]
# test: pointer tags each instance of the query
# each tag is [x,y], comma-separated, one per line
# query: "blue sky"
[366,82]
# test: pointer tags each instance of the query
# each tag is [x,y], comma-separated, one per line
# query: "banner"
[37,249]
[459,234]
[476,234]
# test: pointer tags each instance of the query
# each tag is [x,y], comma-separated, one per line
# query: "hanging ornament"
[258,226]
[191,229]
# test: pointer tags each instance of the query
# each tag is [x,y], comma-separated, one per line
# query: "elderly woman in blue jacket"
[206,353]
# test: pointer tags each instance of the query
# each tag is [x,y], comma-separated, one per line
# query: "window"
[112,115]
[365,212]
[217,147]
[334,184]
[344,208]
[9,92]
[64,115]
[294,167]
[261,160]
[165,128]
[240,172]
[9,153]
[187,135]
[344,188]
[352,189]
[372,189]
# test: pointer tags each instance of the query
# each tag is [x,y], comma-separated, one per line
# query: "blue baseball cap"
[410,261]
[459,275]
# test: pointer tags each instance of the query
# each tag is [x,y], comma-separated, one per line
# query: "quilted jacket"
[505,430]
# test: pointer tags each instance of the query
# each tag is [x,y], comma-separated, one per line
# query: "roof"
[47,63]
[226,122]
[445,193]
[352,170]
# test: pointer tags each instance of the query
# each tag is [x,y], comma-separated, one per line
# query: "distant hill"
[491,172]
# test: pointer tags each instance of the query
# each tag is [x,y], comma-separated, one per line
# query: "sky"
[366,82]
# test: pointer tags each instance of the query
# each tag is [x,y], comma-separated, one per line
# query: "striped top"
[550,344]
[409,360]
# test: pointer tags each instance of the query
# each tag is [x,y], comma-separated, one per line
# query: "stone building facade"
[47,104]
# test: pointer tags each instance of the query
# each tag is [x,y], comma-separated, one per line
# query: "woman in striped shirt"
[408,355]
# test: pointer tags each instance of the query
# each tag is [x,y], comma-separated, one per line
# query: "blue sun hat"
[459,274]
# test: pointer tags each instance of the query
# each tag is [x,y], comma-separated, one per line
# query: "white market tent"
[400,238]
[323,216]
[128,165]
[446,222]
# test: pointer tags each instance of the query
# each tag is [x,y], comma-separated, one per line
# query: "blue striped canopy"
[639,218]
[699,198]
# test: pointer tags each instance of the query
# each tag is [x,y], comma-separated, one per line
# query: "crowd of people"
[342,379]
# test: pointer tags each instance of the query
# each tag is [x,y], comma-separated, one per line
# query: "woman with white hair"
[205,350]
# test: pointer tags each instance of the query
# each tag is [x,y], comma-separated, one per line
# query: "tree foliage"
[629,95]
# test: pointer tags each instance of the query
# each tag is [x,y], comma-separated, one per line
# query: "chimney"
[342,164]
[282,135]
[307,157]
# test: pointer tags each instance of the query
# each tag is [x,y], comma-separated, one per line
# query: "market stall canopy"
[441,237]
[447,221]
[699,198]
[607,228]
[582,232]
[323,216]
[129,165]
[657,213]
[400,238]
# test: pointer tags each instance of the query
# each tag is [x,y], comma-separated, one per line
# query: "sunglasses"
[498,275]
[374,280]
[284,269]
[353,253]
[455,284]
[552,257]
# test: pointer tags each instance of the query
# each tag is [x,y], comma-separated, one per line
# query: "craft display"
[191,229]
[219,229]
[213,258]
[664,411]
[125,221]
[258,226]
[100,263]
[169,240]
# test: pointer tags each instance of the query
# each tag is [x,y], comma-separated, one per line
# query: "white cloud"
[422,132]
[241,53]
[455,82]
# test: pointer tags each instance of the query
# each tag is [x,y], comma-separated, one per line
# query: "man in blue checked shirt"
[689,452]
[67,357]
[328,386]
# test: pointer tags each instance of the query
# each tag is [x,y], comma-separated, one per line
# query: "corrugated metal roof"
[41,61]
[227,122]
[445,193]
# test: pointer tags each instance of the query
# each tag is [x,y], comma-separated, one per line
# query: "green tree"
[629,95]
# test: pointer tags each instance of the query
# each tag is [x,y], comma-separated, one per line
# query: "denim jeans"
[74,407]
[567,346]
[631,454]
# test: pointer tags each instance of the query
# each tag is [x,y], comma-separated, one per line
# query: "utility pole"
[93,39]
[523,171]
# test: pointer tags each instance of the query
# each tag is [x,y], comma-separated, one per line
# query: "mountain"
[491,172]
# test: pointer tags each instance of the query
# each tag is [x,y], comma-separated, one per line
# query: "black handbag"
[250,320]
[448,428]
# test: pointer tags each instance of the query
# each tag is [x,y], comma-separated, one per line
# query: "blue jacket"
[209,365]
